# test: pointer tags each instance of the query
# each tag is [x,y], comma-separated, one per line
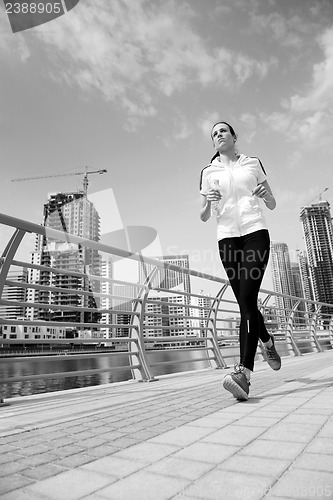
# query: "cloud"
[307,117]
[134,52]
[13,48]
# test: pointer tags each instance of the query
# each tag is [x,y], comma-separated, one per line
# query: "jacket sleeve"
[261,174]
[204,184]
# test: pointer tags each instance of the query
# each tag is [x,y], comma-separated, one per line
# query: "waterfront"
[18,367]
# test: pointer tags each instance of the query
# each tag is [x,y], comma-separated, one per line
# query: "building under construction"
[71,213]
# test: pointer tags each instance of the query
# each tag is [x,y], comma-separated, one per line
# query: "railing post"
[212,333]
[331,331]
[5,263]
[290,330]
[313,329]
[137,346]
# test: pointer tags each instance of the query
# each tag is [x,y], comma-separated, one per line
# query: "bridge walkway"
[181,437]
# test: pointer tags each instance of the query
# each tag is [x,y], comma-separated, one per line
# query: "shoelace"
[238,368]
[270,352]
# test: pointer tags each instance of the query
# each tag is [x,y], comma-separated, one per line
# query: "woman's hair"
[233,133]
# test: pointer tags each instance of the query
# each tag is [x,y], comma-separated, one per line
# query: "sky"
[133,87]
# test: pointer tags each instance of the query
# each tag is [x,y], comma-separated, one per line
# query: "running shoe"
[272,356]
[237,383]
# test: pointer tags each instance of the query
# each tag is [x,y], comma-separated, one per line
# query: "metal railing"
[141,330]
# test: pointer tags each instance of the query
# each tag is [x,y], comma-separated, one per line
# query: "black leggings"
[245,259]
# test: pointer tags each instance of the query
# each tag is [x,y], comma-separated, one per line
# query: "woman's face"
[223,140]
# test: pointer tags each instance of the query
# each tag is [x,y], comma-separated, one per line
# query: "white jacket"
[240,211]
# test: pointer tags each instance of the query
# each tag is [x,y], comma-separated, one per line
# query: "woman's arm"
[264,192]
[211,196]
[205,211]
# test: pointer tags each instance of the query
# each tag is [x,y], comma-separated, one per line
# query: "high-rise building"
[282,279]
[71,213]
[298,287]
[14,293]
[165,278]
[200,310]
[316,221]
[174,307]
[305,276]
[106,288]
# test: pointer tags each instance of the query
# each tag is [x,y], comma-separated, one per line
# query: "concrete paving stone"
[147,434]
[74,461]
[254,420]
[100,431]
[298,483]
[13,482]
[291,432]
[255,465]
[42,471]
[92,442]
[207,452]
[325,409]
[110,436]
[300,418]
[9,457]
[35,460]
[212,422]
[53,436]
[86,434]
[182,436]
[22,495]
[29,441]
[234,435]
[101,451]
[143,486]
[314,462]
[71,485]
[123,442]
[114,466]
[163,427]
[273,449]
[67,451]
[147,452]
[226,485]
[321,445]
[5,448]
[11,468]
[313,411]
[327,430]
[180,468]
[33,450]
[63,441]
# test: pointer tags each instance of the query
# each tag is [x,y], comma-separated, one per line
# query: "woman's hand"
[213,195]
[264,192]
[260,191]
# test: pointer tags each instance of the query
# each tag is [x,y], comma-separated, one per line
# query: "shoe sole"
[230,385]
[275,369]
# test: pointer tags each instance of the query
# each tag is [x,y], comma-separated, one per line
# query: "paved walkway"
[181,437]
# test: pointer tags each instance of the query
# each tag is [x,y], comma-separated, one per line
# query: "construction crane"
[85,177]
[319,196]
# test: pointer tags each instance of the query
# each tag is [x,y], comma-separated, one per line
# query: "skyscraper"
[14,293]
[174,306]
[71,213]
[282,278]
[168,278]
[305,279]
[316,221]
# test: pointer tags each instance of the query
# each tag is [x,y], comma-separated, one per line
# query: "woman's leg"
[255,255]
[244,259]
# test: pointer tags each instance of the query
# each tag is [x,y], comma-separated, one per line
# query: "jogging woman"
[231,187]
